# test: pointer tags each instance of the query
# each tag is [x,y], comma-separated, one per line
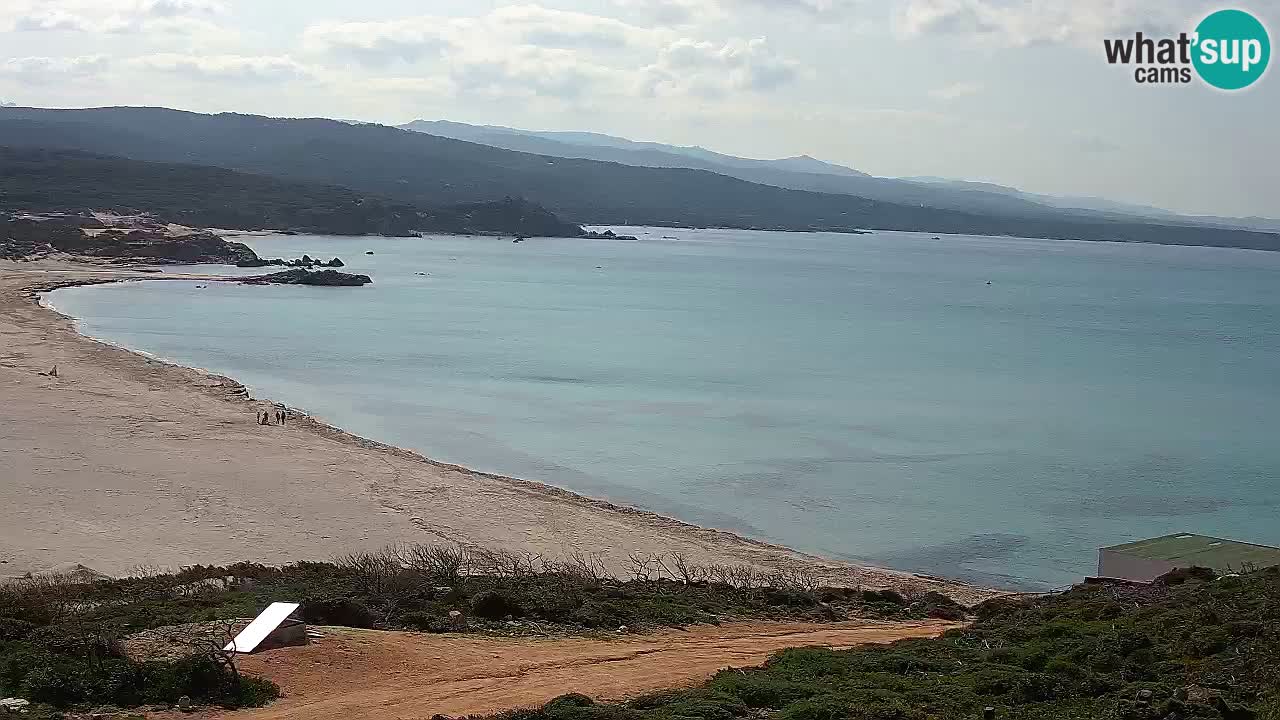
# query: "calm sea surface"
[983,408]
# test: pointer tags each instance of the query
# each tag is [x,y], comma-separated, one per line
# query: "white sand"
[124,461]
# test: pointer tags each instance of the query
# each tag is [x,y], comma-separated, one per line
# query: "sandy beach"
[124,461]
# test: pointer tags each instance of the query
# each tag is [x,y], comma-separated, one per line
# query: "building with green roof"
[1146,560]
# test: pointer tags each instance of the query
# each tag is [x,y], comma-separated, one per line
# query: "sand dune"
[122,460]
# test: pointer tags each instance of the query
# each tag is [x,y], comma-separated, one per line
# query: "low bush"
[59,638]
[63,678]
[1203,649]
[492,605]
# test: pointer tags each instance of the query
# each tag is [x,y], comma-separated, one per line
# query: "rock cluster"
[306,261]
[327,278]
[606,235]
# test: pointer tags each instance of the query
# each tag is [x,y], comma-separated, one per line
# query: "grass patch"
[1190,648]
[61,639]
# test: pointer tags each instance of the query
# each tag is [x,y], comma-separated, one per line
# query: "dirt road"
[353,674]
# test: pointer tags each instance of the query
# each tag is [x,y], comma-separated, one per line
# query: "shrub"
[492,605]
[338,611]
[427,622]
[892,597]
[569,700]
[14,629]
[1179,576]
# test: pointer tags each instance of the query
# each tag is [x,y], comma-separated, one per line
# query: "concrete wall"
[1130,567]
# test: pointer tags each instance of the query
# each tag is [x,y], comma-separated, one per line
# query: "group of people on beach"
[264,417]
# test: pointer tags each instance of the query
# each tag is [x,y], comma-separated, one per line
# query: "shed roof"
[1190,549]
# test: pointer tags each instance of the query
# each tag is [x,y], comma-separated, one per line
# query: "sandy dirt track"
[354,674]
[123,461]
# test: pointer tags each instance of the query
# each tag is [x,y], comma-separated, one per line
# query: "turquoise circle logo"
[1232,49]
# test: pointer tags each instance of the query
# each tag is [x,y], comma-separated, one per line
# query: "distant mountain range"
[650,154]
[1110,207]
[807,173]
[431,173]
[45,180]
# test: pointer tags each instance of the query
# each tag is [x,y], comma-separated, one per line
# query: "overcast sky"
[1010,91]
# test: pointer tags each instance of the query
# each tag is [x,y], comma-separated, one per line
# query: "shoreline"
[402,504]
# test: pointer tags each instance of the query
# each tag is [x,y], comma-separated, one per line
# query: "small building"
[1146,560]
[278,626]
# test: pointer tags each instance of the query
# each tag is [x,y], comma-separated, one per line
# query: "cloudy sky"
[1010,91]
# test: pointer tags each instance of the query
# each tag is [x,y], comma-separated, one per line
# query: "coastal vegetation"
[1190,646]
[45,180]
[425,171]
[83,235]
[62,640]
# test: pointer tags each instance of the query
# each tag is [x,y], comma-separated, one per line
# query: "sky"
[1016,92]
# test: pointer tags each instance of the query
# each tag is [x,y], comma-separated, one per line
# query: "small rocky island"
[323,278]
[306,261]
[606,235]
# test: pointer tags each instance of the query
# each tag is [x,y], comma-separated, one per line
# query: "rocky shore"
[126,239]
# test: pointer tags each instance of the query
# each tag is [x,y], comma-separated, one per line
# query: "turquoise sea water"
[870,397]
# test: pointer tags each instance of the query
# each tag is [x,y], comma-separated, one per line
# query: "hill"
[807,173]
[596,146]
[1103,206]
[42,180]
[427,170]
[797,173]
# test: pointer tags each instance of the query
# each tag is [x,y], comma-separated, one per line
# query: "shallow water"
[870,397]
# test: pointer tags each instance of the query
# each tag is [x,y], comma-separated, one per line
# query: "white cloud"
[379,43]
[705,68]
[812,7]
[668,12]
[1027,22]
[49,20]
[424,37]
[40,70]
[109,16]
[685,12]
[178,8]
[544,27]
[238,68]
[531,72]
[955,90]
[529,51]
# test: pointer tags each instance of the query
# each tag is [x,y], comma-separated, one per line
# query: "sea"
[986,409]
